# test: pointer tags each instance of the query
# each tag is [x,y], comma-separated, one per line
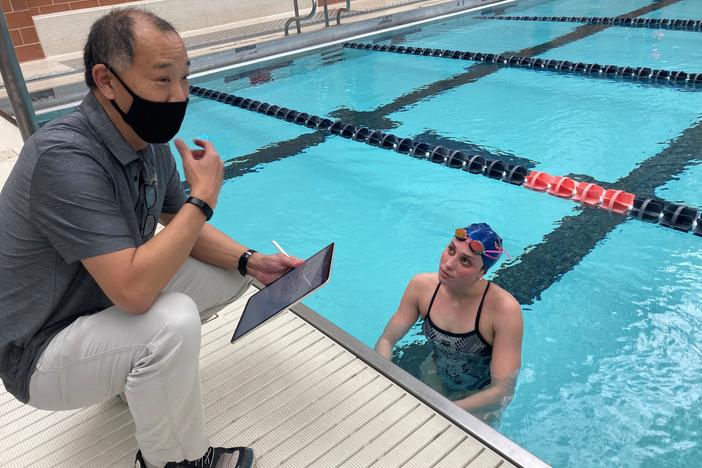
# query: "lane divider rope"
[680,217]
[626,21]
[593,70]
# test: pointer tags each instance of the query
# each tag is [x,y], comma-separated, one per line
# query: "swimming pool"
[612,365]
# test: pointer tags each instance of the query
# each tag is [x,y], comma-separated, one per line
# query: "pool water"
[612,353]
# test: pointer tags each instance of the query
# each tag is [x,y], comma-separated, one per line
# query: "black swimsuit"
[462,359]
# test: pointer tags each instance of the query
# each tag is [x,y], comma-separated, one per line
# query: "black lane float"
[626,21]
[655,210]
[594,70]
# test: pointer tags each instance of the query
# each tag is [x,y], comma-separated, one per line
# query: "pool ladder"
[297,18]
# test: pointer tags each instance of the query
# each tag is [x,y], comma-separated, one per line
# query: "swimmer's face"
[459,264]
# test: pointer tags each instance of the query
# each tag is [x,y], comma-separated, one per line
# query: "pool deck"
[290,391]
[10,146]
[299,390]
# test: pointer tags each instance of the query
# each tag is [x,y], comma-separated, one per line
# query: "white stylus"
[280,249]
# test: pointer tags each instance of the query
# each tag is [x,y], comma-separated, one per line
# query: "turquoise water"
[594,8]
[637,47]
[685,188]
[383,211]
[612,360]
[613,367]
[686,9]
[476,35]
[590,122]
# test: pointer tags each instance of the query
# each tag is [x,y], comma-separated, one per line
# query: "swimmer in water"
[474,327]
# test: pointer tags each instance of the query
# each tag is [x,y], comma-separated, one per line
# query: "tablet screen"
[286,291]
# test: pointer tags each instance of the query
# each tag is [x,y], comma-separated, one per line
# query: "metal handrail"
[342,10]
[326,13]
[9,118]
[338,12]
[15,84]
[297,18]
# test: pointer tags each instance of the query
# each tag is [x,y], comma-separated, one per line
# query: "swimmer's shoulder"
[504,304]
[423,282]
[421,288]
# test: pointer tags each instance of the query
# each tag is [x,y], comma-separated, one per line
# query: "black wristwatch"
[202,204]
[244,260]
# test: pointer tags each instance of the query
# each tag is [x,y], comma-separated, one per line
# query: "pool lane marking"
[563,232]
[435,139]
[644,75]
[495,169]
[577,235]
[244,164]
[377,118]
[676,24]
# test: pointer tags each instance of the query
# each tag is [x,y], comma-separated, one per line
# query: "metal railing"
[297,18]
[340,11]
[14,83]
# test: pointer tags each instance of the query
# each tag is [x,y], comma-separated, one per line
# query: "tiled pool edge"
[300,44]
[434,400]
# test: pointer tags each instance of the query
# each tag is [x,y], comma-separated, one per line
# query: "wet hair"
[111,39]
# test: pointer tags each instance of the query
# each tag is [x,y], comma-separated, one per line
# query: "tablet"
[287,290]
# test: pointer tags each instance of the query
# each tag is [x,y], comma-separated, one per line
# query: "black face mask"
[153,122]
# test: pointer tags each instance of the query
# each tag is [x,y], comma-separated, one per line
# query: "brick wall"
[19,14]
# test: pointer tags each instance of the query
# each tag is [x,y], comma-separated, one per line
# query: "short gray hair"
[111,39]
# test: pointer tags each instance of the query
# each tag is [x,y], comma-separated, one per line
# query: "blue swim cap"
[491,241]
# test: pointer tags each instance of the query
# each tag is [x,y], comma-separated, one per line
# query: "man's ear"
[103,80]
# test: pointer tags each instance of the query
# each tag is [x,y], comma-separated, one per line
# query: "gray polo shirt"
[73,194]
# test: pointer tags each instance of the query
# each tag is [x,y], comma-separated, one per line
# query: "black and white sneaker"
[215,457]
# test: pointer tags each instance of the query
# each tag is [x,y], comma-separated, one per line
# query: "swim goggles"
[478,248]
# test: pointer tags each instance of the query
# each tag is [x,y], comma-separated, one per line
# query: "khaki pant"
[153,358]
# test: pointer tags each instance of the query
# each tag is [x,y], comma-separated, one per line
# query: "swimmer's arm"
[492,398]
[504,366]
[400,323]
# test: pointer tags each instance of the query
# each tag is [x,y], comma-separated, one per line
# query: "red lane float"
[586,193]
[539,181]
[618,201]
[589,193]
[563,187]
